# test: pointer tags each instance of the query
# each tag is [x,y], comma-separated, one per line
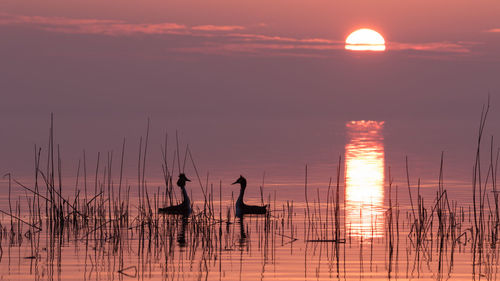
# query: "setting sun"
[365,40]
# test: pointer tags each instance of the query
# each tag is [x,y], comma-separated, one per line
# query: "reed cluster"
[100,216]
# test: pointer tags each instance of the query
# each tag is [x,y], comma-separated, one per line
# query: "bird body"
[183,208]
[241,207]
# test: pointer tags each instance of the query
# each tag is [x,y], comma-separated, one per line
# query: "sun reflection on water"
[364,170]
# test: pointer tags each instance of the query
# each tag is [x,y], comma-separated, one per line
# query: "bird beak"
[235,182]
[188,179]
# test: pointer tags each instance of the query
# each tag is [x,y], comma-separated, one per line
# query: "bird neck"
[242,193]
[185,196]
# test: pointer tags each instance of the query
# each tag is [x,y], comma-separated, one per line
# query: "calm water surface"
[365,231]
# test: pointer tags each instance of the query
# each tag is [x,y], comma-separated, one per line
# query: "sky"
[252,86]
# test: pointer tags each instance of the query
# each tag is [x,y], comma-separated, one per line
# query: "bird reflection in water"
[243,235]
[364,171]
[181,236]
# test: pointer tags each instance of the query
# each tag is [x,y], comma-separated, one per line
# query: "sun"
[365,39]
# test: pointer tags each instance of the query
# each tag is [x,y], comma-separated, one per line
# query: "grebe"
[183,208]
[241,207]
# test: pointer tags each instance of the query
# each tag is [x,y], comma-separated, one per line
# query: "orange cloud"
[260,37]
[217,39]
[447,47]
[92,26]
[217,27]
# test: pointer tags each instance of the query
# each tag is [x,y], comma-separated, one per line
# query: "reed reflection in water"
[364,170]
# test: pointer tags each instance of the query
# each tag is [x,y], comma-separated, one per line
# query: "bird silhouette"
[183,208]
[241,207]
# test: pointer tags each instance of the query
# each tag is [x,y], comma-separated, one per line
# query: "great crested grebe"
[183,208]
[241,207]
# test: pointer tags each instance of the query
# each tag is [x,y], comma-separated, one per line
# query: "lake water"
[357,223]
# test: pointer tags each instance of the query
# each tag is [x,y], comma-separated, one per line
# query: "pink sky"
[261,84]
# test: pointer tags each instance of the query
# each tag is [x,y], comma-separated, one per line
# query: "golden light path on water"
[364,170]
